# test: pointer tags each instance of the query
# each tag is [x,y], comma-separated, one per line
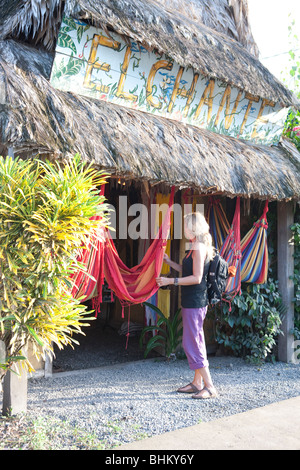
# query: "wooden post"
[48,366]
[285,248]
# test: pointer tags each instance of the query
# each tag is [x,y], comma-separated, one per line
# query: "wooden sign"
[90,62]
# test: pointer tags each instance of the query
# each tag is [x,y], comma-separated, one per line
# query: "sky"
[269,21]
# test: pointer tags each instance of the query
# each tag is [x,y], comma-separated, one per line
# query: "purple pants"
[193,340]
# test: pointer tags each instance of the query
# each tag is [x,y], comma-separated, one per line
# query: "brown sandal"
[211,394]
[192,389]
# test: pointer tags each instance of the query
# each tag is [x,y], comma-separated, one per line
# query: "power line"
[282,53]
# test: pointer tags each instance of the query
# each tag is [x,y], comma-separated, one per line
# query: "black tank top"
[194,296]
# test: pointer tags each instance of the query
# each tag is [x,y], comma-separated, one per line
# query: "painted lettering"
[260,119]
[98,40]
[206,99]
[120,93]
[160,64]
[229,115]
[105,66]
[189,94]
[251,99]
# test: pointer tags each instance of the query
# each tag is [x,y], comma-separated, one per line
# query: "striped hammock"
[231,252]
[254,248]
[250,256]
[88,282]
[218,223]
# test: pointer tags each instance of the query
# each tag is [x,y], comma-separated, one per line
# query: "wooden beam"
[285,248]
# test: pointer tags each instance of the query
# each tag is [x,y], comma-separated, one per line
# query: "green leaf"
[153,343]
[64,40]
[35,336]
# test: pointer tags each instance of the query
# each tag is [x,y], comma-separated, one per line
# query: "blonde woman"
[194,302]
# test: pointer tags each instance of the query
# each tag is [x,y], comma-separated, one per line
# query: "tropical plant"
[168,332]
[296,276]
[45,219]
[291,78]
[251,327]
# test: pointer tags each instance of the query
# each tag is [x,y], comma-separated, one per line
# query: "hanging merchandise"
[218,223]
[163,301]
[231,252]
[162,204]
[136,285]
[254,248]
[88,282]
[150,314]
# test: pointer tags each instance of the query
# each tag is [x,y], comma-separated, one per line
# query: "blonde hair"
[197,226]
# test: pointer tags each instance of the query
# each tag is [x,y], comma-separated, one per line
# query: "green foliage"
[292,127]
[291,76]
[296,277]
[169,332]
[251,327]
[45,212]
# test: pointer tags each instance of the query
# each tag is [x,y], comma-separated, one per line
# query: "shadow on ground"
[102,345]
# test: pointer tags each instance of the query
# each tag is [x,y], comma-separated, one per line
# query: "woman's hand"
[162,281]
[166,258]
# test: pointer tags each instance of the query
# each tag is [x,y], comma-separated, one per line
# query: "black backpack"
[216,279]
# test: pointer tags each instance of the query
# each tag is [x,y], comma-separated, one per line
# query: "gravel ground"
[131,401]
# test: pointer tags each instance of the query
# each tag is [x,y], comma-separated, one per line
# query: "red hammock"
[136,285]
[88,282]
[131,285]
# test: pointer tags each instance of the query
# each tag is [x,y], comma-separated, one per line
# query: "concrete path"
[272,427]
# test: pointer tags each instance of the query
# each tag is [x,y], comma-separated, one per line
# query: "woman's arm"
[199,255]
[172,264]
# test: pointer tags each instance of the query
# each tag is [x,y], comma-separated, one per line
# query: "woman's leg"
[208,383]
[193,342]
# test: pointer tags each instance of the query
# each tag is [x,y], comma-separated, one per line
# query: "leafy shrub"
[45,212]
[251,327]
[169,332]
[296,278]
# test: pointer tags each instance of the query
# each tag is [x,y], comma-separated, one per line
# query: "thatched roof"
[34,117]
[40,20]
[190,42]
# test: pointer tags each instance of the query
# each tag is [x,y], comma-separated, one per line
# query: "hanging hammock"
[218,223]
[231,252]
[88,282]
[254,248]
[136,285]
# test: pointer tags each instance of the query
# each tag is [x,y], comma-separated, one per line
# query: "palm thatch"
[40,19]
[190,42]
[36,118]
